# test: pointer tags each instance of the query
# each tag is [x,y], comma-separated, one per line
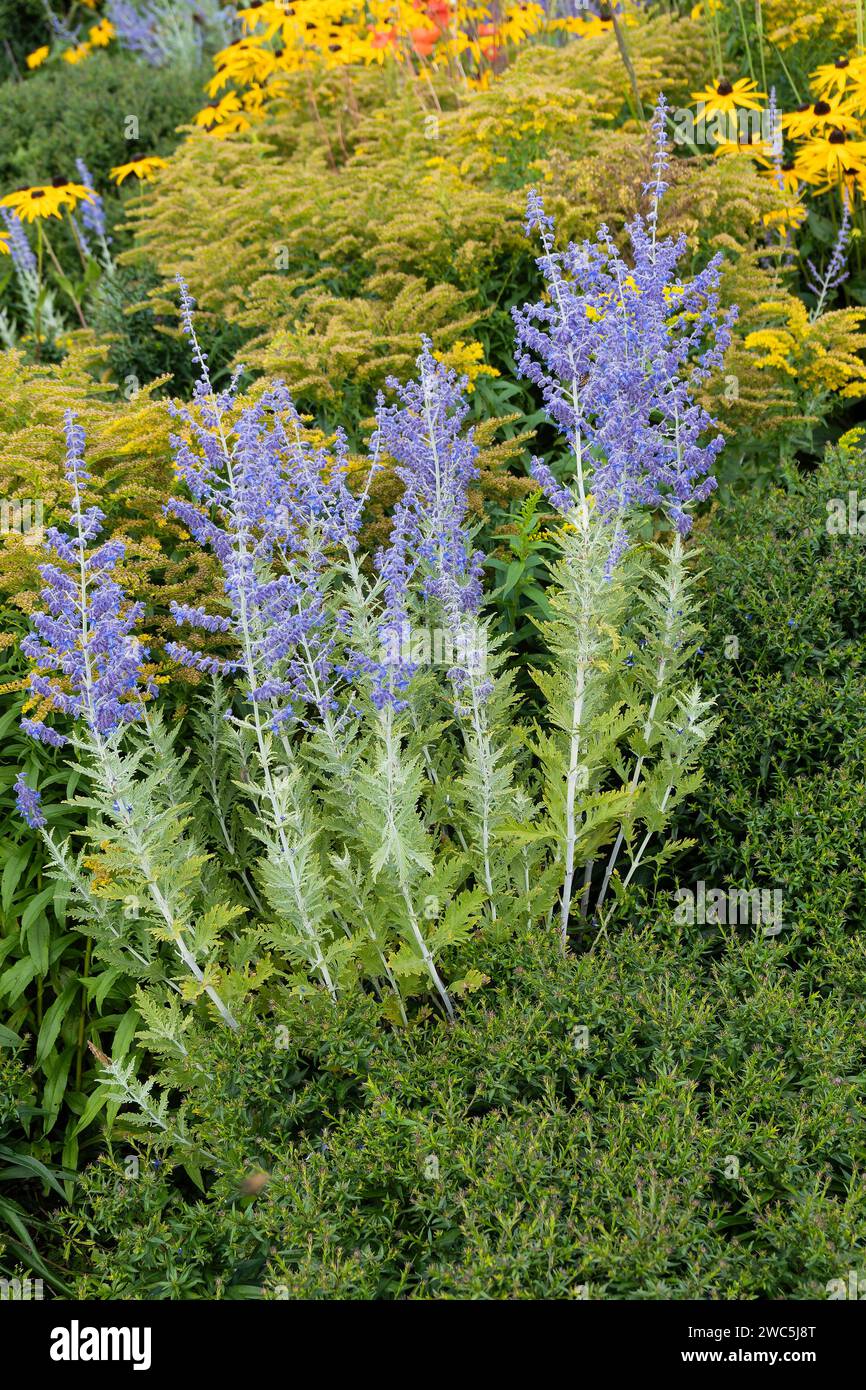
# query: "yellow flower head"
[77,54]
[725,97]
[467,359]
[4,244]
[37,57]
[821,116]
[832,78]
[102,33]
[142,168]
[220,112]
[831,159]
[46,200]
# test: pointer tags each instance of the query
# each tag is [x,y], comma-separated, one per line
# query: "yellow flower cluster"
[467,359]
[470,40]
[801,347]
[828,134]
[99,36]
[790,22]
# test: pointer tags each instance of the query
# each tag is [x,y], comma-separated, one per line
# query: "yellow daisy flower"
[4,244]
[37,57]
[835,77]
[755,148]
[820,117]
[143,168]
[220,111]
[76,55]
[786,218]
[783,175]
[102,33]
[726,97]
[831,159]
[46,200]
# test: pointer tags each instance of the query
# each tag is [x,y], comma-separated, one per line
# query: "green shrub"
[784,800]
[497,1158]
[63,112]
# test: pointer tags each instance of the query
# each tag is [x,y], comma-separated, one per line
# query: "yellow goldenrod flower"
[777,346]
[46,200]
[143,168]
[725,97]
[467,359]
[37,57]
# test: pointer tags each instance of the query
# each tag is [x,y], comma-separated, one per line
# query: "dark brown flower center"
[723,87]
[841,63]
[821,108]
[836,137]
[37,193]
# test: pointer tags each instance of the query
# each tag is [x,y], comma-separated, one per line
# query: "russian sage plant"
[617,351]
[351,809]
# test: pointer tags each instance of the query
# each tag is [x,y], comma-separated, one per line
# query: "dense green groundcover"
[557,1166]
[703,1138]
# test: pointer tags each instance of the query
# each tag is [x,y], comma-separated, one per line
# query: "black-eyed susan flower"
[787,217]
[753,147]
[724,97]
[46,200]
[37,57]
[142,168]
[783,174]
[102,33]
[832,159]
[220,111]
[837,76]
[821,116]
[77,54]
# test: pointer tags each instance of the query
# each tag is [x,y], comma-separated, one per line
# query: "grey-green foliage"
[358,845]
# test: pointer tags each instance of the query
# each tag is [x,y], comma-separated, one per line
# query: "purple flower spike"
[436,462]
[29,803]
[617,350]
[89,663]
